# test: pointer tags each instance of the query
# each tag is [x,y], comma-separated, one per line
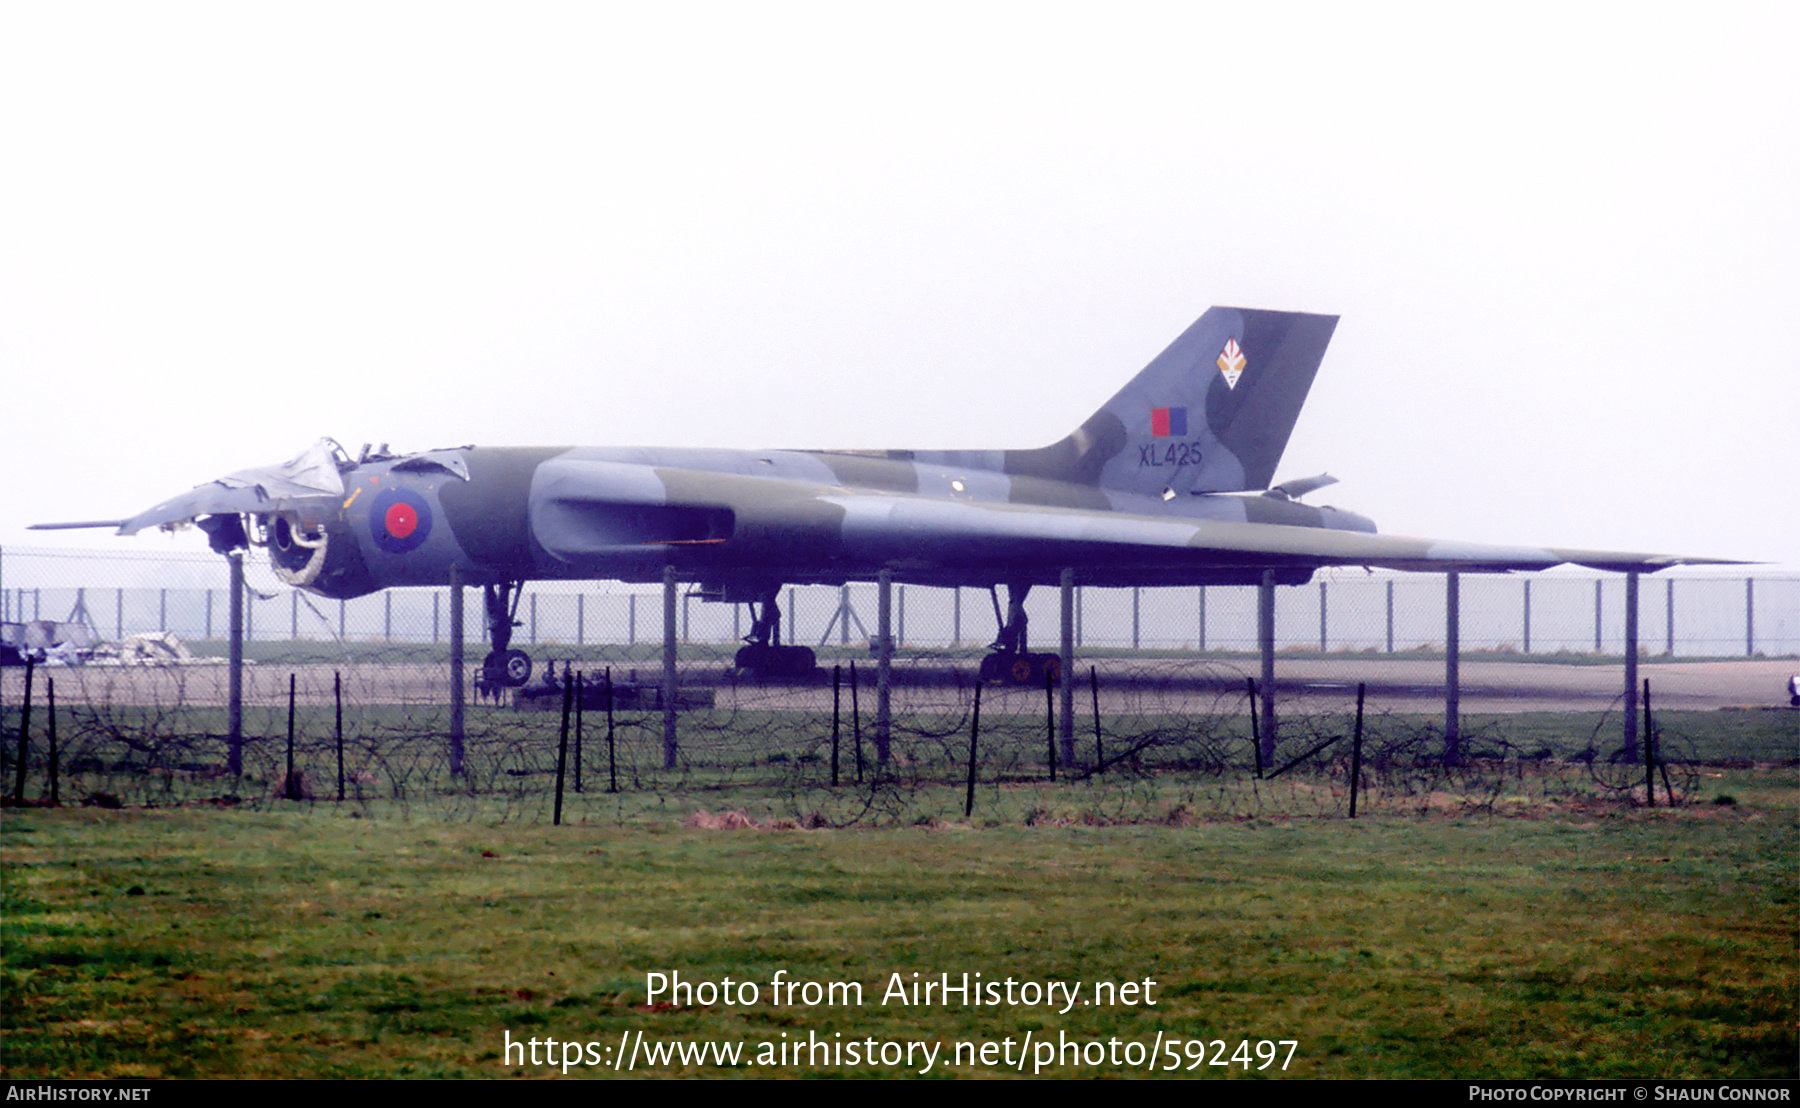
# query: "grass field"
[1522,920]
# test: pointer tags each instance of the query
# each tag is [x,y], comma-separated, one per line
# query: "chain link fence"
[1163,725]
[1683,613]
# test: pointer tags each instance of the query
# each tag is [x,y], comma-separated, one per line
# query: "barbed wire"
[1160,754]
[1162,726]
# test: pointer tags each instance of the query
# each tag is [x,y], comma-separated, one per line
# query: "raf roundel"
[400,520]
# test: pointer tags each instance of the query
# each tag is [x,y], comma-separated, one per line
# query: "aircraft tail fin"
[1212,413]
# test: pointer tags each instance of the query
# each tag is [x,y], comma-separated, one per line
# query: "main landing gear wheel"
[776,661]
[765,656]
[1011,663]
[1004,667]
[507,669]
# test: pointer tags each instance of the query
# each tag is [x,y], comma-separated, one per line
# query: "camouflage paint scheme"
[1164,485]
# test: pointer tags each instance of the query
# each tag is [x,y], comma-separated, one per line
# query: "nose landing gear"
[503,668]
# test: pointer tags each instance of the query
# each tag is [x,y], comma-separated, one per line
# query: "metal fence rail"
[1682,613]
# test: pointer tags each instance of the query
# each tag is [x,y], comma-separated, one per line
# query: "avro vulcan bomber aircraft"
[1169,483]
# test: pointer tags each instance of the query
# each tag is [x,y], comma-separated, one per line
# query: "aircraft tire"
[800,661]
[776,661]
[515,668]
[1025,670]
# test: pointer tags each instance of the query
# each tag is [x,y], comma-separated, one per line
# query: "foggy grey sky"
[1563,241]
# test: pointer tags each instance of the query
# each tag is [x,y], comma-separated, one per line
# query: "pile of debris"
[49,642]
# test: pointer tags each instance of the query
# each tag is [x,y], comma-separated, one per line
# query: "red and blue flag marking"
[1168,422]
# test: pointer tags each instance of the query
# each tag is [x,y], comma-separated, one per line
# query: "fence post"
[1390,615]
[580,694]
[1256,746]
[1200,645]
[837,680]
[1322,607]
[1066,676]
[974,735]
[290,788]
[1631,662]
[337,727]
[1452,667]
[562,740]
[1099,746]
[50,738]
[1669,613]
[1265,640]
[668,675]
[234,712]
[1749,617]
[856,720]
[884,651]
[457,693]
[1527,615]
[612,761]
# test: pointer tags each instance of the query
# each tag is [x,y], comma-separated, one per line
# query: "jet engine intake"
[319,558]
[297,554]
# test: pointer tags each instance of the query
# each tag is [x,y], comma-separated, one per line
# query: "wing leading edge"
[904,531]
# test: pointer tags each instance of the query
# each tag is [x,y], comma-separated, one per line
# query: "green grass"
[1514,917]
[307,940]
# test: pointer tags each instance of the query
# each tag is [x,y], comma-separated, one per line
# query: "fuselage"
[736,520]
